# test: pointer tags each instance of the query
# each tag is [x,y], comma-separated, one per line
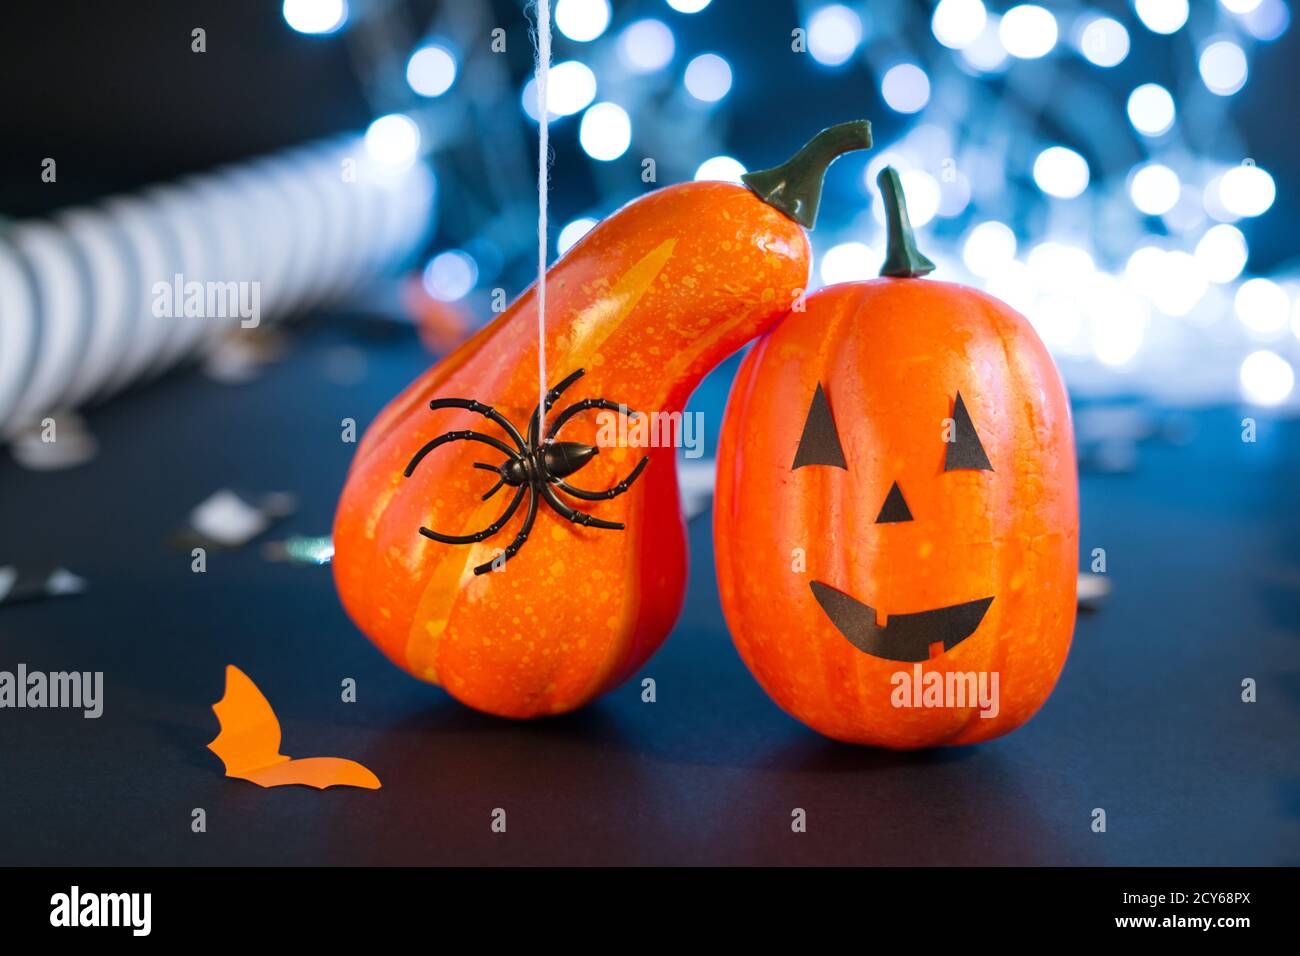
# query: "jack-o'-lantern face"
[896,490]
[912,635]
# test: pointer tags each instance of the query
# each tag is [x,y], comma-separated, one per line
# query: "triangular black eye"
[820,442]
[965,451]
[895,508]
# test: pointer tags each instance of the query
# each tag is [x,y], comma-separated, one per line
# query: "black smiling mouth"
[907,637]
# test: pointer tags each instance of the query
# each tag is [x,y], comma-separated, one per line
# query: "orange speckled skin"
[891,354]
[648,302]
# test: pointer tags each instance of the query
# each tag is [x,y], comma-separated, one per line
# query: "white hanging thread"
[543,69]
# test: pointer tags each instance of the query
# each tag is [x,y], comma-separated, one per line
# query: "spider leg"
[608,493]
[513,547]
[457,436]
[577,408]
[496,471]
[487,532]
[487,411]
[572,514]
[535,422]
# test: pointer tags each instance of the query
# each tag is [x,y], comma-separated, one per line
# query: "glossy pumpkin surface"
[907,524]
[647,302]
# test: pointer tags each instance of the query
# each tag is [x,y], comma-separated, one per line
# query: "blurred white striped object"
[80,292]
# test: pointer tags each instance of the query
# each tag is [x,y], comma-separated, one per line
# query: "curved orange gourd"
[647,302]
[848,581]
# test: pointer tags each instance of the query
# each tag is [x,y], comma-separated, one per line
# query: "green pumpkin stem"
[795,187]
[902,260]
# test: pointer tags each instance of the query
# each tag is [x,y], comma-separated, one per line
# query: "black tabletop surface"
[1147,721]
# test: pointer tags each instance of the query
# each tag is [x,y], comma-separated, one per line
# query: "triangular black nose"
[895,507]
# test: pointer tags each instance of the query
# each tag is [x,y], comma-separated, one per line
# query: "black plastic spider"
[532,466]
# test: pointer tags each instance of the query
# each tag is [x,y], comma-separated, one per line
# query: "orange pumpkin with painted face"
[896,521]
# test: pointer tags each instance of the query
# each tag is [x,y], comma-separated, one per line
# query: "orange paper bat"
[249,744]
